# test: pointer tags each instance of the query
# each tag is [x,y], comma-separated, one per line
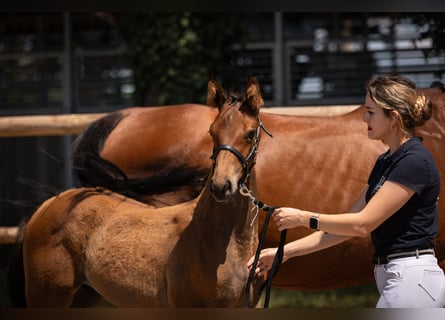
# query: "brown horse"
[314,163]
[193,254]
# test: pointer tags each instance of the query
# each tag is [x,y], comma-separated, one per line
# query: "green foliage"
[432,25]
[174,54]
[365,296]
[429,25]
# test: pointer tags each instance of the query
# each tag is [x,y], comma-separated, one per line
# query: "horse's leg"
[50,278]
[87,297]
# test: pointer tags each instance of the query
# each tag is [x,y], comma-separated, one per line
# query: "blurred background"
[89,62]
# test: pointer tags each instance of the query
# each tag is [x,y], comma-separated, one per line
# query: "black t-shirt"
[415,225]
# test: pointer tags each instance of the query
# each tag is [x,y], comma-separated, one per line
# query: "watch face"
[313,223]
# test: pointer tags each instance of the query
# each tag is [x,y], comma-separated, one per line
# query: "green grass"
[354,297]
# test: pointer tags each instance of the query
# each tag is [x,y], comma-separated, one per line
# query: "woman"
[398,206]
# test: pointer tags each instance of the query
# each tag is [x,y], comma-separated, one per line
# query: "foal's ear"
[254,100]
[216,95]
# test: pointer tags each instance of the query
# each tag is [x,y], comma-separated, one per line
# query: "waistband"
[416,253]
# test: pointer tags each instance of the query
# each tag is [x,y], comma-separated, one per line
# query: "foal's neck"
[236,215]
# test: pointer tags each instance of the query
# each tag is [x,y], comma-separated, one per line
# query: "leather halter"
[251,157]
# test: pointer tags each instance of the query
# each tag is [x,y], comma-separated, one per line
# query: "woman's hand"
[287,218]
[265,261]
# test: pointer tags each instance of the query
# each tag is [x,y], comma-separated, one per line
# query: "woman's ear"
[394,115]
[395,119]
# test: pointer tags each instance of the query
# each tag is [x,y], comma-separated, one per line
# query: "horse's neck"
[235,216]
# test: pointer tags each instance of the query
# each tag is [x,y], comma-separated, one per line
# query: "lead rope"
[278,256]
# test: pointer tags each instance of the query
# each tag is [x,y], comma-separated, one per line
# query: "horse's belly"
[128,268]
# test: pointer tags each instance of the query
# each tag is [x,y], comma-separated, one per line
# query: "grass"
[354,297]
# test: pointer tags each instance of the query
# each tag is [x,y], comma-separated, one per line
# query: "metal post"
[67,95]
[278,63]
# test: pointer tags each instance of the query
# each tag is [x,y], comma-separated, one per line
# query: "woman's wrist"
[314,221]
[286,254]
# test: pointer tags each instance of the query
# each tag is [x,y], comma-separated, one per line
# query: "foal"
[192,254]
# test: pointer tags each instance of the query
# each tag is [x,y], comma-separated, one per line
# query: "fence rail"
[44,125]
[8,234]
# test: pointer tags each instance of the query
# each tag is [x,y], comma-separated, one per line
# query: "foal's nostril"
[221,191]
[227,186]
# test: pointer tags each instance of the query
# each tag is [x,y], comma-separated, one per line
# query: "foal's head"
[235,133]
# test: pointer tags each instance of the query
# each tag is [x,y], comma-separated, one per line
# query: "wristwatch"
[313,222]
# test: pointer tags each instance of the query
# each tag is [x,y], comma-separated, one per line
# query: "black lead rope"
[275,266]
[276,262]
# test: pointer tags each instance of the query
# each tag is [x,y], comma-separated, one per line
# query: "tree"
[174,54]
[431,25]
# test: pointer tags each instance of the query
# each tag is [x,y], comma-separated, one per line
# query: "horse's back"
[161,128]
[309,157]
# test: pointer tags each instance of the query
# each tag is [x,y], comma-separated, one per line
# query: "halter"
[244,161]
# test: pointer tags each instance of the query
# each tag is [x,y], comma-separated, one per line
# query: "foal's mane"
[234,97]
[438,84]
[85,193]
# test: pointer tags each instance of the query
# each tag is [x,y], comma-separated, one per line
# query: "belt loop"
[417,253]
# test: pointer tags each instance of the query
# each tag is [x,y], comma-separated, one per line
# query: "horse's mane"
[83,194]
[438,84]
[235,97]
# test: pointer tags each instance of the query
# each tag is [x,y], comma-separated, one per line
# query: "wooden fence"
[69,124]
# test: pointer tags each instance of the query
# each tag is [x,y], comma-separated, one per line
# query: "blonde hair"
[397,93]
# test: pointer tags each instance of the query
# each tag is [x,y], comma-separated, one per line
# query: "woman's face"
[379,124]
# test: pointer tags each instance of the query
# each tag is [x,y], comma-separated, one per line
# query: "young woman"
[398,206]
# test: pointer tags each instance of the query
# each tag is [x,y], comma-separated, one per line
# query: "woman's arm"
[321,240]
[314,242]
[390,198]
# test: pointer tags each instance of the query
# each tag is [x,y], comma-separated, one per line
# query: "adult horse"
[193,254]
[314,163]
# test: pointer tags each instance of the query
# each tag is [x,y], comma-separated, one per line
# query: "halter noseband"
[244,161]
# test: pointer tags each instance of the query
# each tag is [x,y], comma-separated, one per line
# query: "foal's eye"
[251,135]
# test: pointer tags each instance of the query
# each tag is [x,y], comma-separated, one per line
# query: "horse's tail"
[15,269]
[16,272]
[91,169]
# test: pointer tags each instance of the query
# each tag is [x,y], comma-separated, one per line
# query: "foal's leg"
[50,278]
[87,297]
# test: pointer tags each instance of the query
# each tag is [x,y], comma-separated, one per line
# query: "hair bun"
[422,110]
